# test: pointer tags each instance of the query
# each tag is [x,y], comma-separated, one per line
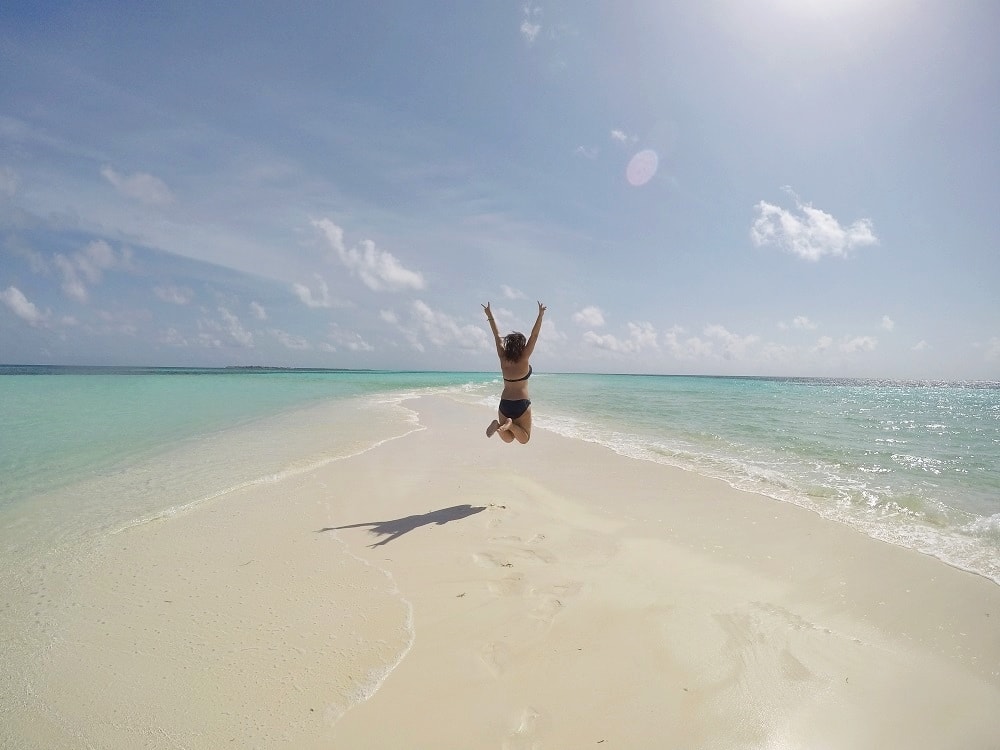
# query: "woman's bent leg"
[520,428]
[505,423]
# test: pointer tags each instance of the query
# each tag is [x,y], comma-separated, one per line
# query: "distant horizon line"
[285,368]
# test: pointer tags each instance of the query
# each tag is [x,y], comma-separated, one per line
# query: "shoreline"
[821,512]
[550,595]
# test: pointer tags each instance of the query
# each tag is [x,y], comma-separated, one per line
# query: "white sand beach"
[443,590]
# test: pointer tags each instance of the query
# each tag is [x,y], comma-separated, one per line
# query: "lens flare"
[642,167]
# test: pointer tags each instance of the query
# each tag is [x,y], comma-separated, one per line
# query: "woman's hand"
[486,307]
[541,308]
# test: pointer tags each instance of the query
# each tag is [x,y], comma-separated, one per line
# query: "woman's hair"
[513,346]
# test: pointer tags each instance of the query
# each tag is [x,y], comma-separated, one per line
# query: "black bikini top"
[518,380]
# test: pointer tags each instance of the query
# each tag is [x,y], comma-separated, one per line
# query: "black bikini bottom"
[513,408]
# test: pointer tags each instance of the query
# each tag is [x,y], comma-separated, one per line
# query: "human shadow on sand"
[398,526]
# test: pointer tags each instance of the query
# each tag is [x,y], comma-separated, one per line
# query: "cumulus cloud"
[921,346]
[87,267]
[140,186]
[717,342]
[511,293]
[589,316]
[622,137]
[810,233]
[235,329]
[173,337]
[174,294]
[378,269]
[22,307]
[319,299]
[732,345]
[288,340]
[888,323]
[640,336]
[683,346]
[341,339]
[258,311]
[799,323]
[530,28]
[858,344]
[823,343]
[213,333]
[424,325]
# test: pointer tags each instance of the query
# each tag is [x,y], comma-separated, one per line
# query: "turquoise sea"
[85,452]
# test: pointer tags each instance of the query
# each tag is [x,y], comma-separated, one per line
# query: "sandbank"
[445,590]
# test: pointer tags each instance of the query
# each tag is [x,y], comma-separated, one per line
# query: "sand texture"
[445,590]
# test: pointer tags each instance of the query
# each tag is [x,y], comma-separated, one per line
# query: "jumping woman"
[514,414]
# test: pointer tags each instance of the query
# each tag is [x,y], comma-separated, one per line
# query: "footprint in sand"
[505,540]
[509,586]
[547,610]
[553,599]
[495,656]
[524,735]
[487,560]
[539,555]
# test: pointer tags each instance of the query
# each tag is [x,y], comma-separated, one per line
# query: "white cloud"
[823,343]
[802,323]
[121,322]
[921,346]
[530,28]
[348,340]
[640,336]
[22,307]
[643,334]
[320,299]
[604,341]
[587,153]
[733,346]
[141,186]
[685,347]
[888,323]
[231,326]
[589,316]
[288,340]
[440,329]
[208,340]
[258,311]
[235,328]
[812,234]
[87,266]
[858,344]
[389,316]
[511,293]
[378,269]
[71,285]
[622,137]
[174,294]
[173,337]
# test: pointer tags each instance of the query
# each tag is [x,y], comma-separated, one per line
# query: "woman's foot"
[496,426]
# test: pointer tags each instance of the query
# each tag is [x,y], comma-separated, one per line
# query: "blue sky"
[782,187]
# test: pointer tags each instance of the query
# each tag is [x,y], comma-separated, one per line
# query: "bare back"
[515,384]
